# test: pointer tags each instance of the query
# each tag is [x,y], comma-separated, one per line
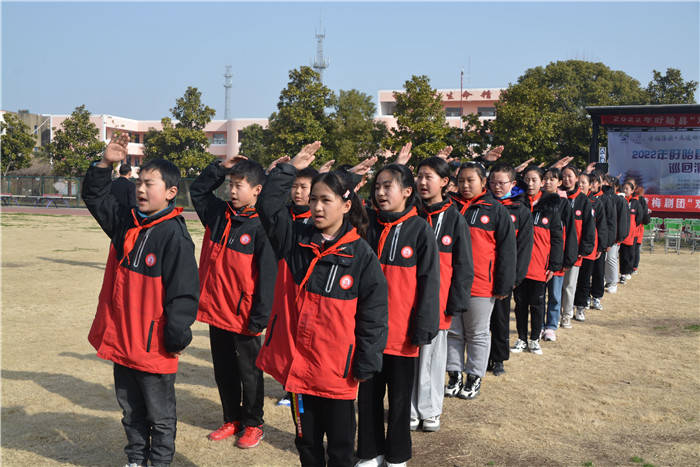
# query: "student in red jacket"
[644,219]
[299,194]
[505,189]
[328,325]
[456,276]
[585,235]
[235,268]
[546,259]
[494,253]
[627,247]
[407,251]
[148,299]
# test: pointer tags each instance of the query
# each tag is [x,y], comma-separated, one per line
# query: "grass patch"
[636,459]
[76,249]
[490,463]
[660,328]
[587,464]
[692,327]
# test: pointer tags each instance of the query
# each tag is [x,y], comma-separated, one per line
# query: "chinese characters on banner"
[663,120]
[673,203]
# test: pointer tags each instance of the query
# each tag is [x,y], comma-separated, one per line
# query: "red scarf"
[465,203]
[389,225]
[434,213]
[534,200]
[133,233]
[349,237]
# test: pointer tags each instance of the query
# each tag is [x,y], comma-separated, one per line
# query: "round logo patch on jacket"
[545,221]
[245,239]
[150,260]
[346,282]
[446,240]
[484,219]
[512,217]
[578,212]
[407,252]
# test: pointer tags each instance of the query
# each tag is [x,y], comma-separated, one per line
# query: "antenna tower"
[227,86]
[320,63]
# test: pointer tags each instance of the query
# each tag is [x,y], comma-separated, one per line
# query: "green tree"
[355,134]
[543,115]
[16,142]
[301,117]
[75,145]
[671,88]
[184,143]
[254,141]
[420,119]
[473,137]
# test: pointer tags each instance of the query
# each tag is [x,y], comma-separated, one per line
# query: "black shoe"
[497,368]
[471,387]
[454,384]
[489,366]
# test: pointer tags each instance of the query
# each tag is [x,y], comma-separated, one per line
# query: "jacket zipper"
[269,334]
[238,307]
[394,243]
[476,213]
[139,252]
[347,362]
[150,335]
[438,224]
[331,278]
[490,262]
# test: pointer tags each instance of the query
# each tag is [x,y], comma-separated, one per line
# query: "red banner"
[660,120]
[673,203]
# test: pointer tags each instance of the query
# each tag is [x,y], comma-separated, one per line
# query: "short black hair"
[250,170]
[124,169]
[308,172]
[168,171]
[504,168]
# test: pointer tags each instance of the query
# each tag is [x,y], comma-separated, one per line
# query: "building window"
[218,138]
[452,112]
[388,108]
[486,111]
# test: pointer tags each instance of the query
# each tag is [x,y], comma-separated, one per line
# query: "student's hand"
[359,380]
[306,156]
[115,151]
[541,165]
[227,164]
[522,166]
[500,297]
[494,154]
[362,183]
[563,162]
[175,354]
[565,270]
[363,167]
[598,255]
[279,160]
[548,275]
[404,154]
[590,167]
[444,152]
[326,167]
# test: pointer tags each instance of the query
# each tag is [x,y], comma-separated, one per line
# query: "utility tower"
[227,86]
[320,63]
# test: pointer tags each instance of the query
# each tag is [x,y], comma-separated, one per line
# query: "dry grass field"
[623,388]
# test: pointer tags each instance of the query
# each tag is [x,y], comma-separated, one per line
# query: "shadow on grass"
[88,264]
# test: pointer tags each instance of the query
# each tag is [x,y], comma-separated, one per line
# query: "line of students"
[367,298]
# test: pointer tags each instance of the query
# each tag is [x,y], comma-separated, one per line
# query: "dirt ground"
[620,389]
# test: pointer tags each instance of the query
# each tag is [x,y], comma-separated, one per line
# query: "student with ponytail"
[407,251]
[328,325]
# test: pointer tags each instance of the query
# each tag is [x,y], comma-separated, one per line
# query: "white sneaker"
[550,335]
[391,464]
[431,423]
[611,288]
[534,347]
[565,322]
[376,462]
[414,423]
[628,277]
[635,272]
[519,346]
[580,314]
[596,305]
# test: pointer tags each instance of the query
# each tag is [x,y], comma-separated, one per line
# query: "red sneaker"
[251,437]
[226,430]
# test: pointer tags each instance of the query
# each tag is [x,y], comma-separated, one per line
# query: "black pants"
[397,374]
[626,259]
[583,284]
[500,330]
[320,416]
[637,251]
[148,405]
[598,277]
[239,381]
[529,303]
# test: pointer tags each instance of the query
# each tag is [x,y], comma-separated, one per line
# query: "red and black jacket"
[407,251]
[548,244]
[601,225]
[493,244]
[236,265]
[568,224]
[584,221]
[522,223]
[150,288]
[643,218]
[611,223]
[300,213]
[328,325]
[622,214]
[456,264]
[636,213]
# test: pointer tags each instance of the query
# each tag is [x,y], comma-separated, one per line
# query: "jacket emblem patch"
[407,252]
[150,260]
[485,219]
[578,212]
[446,240]
[245,239]
[346,282]
[545,221]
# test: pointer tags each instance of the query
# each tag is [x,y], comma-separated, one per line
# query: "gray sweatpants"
[471,331]
[612,268]
[429,383]
[568,290]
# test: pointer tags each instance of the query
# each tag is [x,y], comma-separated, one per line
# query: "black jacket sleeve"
[181,284]
[646,218]
[272,208]
[264,292]
[371,319]
[208,206]
[571,240]
[601,226]
[556,242]
[610,219]
[462,268]
[587,241]
[506,251]
[100,201]
[623,218]
[426,316]
[524,241]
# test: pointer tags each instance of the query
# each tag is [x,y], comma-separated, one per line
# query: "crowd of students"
[358,298]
